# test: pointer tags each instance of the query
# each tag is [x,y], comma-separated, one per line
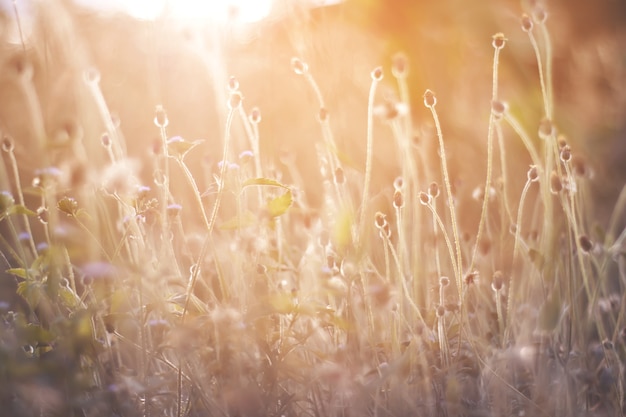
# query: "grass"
[224,293]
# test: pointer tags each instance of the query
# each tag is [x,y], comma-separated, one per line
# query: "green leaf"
[280,205]
[31,291]
[20,209]
[263,181]
[68,297]
[18,272]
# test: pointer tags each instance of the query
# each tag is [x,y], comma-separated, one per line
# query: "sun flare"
[243,11]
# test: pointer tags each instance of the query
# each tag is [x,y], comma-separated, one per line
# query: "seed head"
[91,76]
[527,23]
[380,220]
[546,129]
[339,176]
[68,205]
[377,74]
[255,116]
[498,41]
[429,99]
[441,310]
[235,99]
[540,15]
[398,199]
[498,108]
[8,144]
[299,67]
[322,116]
[424,198]
[400,66]
[566,154]
[556,185]
[160,118]
[585,243]
[433,190]
[398,183]
[444,281]
[533,173]
[105,139]
[497,281]
[471,278]
[233,84]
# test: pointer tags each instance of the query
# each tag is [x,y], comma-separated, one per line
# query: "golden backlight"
[243,11]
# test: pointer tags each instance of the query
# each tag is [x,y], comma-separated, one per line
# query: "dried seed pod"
[498,40]
[566,154]
[255,116]
[441,311]
[160,118]
[556,184]
[424,198]
[398,199]
[233,84]
[398,183]
[8,144]
[444,281]
[105,139]
[322,115]
[429,99]
[91,76]
[585,243]
[400,66]
[540,15]
[433,190]
[377,74]
[527,23]
[533,174]
[235,99]
[298,66]
[546,129]
[339,176]
[498,108]
[497,281]
[380,220]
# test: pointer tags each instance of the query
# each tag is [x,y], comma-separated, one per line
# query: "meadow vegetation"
[149,285]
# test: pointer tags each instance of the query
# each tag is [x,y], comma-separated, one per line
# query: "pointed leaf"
[20,209]
[263,181]
[18,272]
[280,205]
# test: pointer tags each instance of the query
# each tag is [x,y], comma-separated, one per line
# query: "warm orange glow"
[243,11]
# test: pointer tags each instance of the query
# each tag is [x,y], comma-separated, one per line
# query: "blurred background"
[159,52]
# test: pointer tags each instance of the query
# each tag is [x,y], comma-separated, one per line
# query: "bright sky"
[218,10]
